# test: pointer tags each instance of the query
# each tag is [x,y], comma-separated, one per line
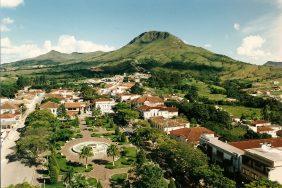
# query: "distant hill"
[53,58]
[153,50]
[274,64]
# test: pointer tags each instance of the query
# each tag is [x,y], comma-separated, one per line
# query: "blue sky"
[243,29]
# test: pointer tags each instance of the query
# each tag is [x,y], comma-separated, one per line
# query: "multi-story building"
[262,158]
[254,159]
[265,161]
[222,153]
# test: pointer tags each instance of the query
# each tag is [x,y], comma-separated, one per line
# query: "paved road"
[16,172]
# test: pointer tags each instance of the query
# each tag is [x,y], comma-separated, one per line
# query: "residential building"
[105,105]
[258,123]
[151,101]
[154,111]
[262,158]
[51,106]
[168,125]
[263,162]
[78,107]
[222,153]
[261,126]
[191,135]
[8,107]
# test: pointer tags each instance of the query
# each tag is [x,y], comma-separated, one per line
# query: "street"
[15,172]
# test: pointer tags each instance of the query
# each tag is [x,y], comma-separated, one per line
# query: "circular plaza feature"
[98,148]
[72,149]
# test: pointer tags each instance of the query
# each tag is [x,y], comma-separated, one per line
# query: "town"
[111,131]
[141,94]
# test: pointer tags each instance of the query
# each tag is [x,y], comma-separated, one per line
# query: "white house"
[105,105]
[153,111]
[261,126]
[8,121]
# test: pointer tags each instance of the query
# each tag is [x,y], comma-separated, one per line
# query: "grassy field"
[237,111]
[128,156]
[204,91]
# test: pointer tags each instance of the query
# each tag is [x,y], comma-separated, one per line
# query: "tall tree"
[85,153]
[149,175]
[113,151]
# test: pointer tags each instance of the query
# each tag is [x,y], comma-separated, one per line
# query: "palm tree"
[68,177]
[113,151]
[99,184]
[85,153]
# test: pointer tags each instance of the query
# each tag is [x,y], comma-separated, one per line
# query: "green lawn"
[127,158]
[237,111]
[238,131]
[64,164]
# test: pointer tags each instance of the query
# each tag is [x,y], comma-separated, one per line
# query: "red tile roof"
[191,134]
[8,105]
[264,129]
[57,96]
[259,122]
[162,122]
[103,100]
[151,99]
[74,104]
[7,116]
[49,104]
[162,108]
[256,143]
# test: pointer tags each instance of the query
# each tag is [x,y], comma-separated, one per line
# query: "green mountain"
[273,64]
[150,51]
[52,58]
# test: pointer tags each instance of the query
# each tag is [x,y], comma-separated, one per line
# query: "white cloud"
[10,3]
[65,43]
[4,24]
[236,26]
[7,21]
[269,27]
[4,28]
[251,47]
